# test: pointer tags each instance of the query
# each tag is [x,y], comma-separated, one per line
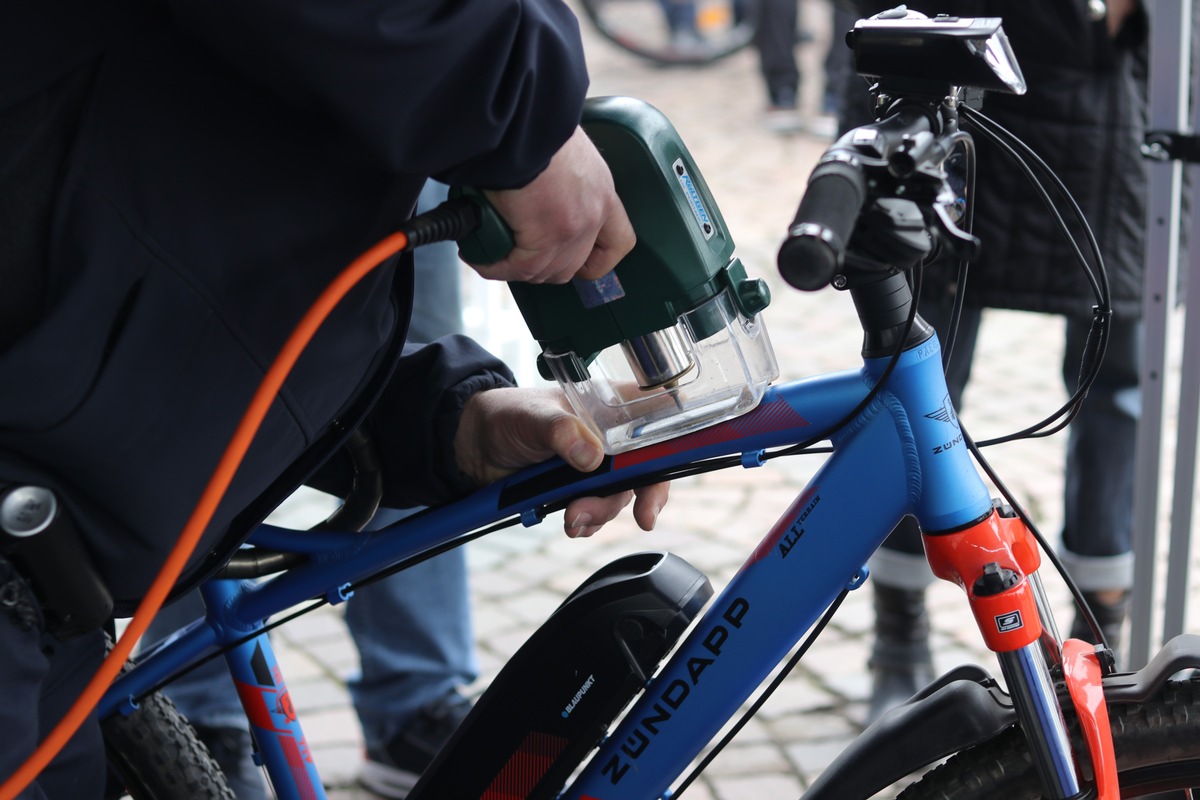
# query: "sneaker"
[393,772]
[687,45]
[231,748]
[823,127]
[783,119]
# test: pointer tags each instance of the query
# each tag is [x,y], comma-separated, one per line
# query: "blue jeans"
[680,14]
[412,630]
[1098,491]
[414,638]
[775,38]
[39,679]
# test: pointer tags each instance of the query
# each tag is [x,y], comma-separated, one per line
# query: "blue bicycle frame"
[897,450]
[903,454]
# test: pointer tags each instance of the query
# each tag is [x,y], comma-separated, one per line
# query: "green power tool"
[669,341]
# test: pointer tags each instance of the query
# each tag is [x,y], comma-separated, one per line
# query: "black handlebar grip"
[812,253]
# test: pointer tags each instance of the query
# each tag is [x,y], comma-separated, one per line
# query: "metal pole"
[1179,563]
[1170,56]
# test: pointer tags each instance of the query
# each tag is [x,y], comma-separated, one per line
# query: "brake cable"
[1021,154]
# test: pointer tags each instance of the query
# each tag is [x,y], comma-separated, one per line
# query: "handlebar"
[816,243]
[899,155]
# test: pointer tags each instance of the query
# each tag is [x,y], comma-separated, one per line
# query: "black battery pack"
[554,700]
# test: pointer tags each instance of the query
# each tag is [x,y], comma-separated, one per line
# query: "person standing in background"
[777,35]
[1085,115]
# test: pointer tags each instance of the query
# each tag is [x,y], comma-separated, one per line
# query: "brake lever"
[955,240]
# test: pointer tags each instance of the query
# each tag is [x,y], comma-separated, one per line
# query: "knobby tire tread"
[1156,740]
[156,754]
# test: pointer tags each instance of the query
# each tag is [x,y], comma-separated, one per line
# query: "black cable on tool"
[449,221]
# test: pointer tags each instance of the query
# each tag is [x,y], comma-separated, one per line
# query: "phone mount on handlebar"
[907,50]
[880,200]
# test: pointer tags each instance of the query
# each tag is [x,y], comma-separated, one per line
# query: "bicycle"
[861,225]
[674,32]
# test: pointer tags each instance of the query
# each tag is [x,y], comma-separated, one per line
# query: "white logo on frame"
[1009,622]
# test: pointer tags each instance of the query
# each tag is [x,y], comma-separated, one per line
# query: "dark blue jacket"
[206,169]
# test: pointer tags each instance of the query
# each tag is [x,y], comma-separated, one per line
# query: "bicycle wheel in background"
[1157,745]
[155,755]
[675,32]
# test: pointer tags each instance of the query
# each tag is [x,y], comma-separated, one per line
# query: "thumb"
[573,442]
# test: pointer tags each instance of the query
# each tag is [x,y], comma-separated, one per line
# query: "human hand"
[568,221]
[503,429]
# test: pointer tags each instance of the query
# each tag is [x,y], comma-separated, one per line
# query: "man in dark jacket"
[178,182]
[1084,114]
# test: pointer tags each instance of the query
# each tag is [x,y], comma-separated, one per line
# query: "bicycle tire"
[1157,745]
[155,755]
[739,37]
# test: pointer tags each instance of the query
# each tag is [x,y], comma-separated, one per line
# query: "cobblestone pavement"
[520,575]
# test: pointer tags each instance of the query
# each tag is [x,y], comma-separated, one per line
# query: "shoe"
[824,127]
[893,685]
[901,662]
[393,772]
[686,44]
[232,749]
[783,119]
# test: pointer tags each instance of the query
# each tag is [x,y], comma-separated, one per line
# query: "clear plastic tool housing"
[732,363]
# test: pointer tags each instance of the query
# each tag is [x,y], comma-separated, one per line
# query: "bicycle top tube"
[790,413]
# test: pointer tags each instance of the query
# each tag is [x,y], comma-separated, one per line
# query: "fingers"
[504,429]
[587,515]
[544,426]
[613,243]
[501,430]
[566,222]
[650,501]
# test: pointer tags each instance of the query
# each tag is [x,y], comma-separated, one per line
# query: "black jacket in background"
[1085,115]
[189,177]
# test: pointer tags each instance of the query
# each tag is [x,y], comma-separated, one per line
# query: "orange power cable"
[235,451]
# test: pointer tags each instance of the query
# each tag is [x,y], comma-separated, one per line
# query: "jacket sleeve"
[479,92]
[431,382]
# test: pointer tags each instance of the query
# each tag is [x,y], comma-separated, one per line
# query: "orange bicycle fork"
[995,561]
